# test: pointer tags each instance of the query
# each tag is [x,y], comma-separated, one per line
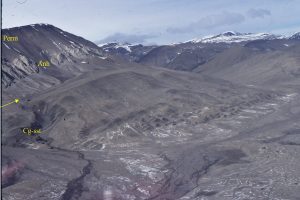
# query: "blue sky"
[155,21]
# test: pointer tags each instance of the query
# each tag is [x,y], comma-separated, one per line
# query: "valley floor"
[253,154]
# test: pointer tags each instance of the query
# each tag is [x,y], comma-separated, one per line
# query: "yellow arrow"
[14,101]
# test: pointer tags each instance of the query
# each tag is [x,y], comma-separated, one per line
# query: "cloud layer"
[170,20]
[258,13]
[211,21]
[220,20]
[126,38]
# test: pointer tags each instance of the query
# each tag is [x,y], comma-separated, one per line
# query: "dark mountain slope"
[42,42]
[268,63]
[98,103]
[127,51]
[185,56]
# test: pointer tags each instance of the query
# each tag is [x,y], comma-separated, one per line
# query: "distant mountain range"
[226,37]
[192,54]
[59,47]
[139,50]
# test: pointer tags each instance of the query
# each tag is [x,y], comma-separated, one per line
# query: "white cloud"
[126,38]
[210,22]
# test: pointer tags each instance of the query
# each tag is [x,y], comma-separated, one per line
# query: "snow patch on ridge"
[124,46]
[6,46]
[107,46]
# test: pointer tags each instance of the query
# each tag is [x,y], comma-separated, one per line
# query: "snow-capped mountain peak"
[234,37]
[295,36]
[230,33]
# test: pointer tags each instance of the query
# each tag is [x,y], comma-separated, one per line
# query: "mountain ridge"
[48,44]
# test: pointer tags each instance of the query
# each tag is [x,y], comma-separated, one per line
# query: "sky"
[155,21]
